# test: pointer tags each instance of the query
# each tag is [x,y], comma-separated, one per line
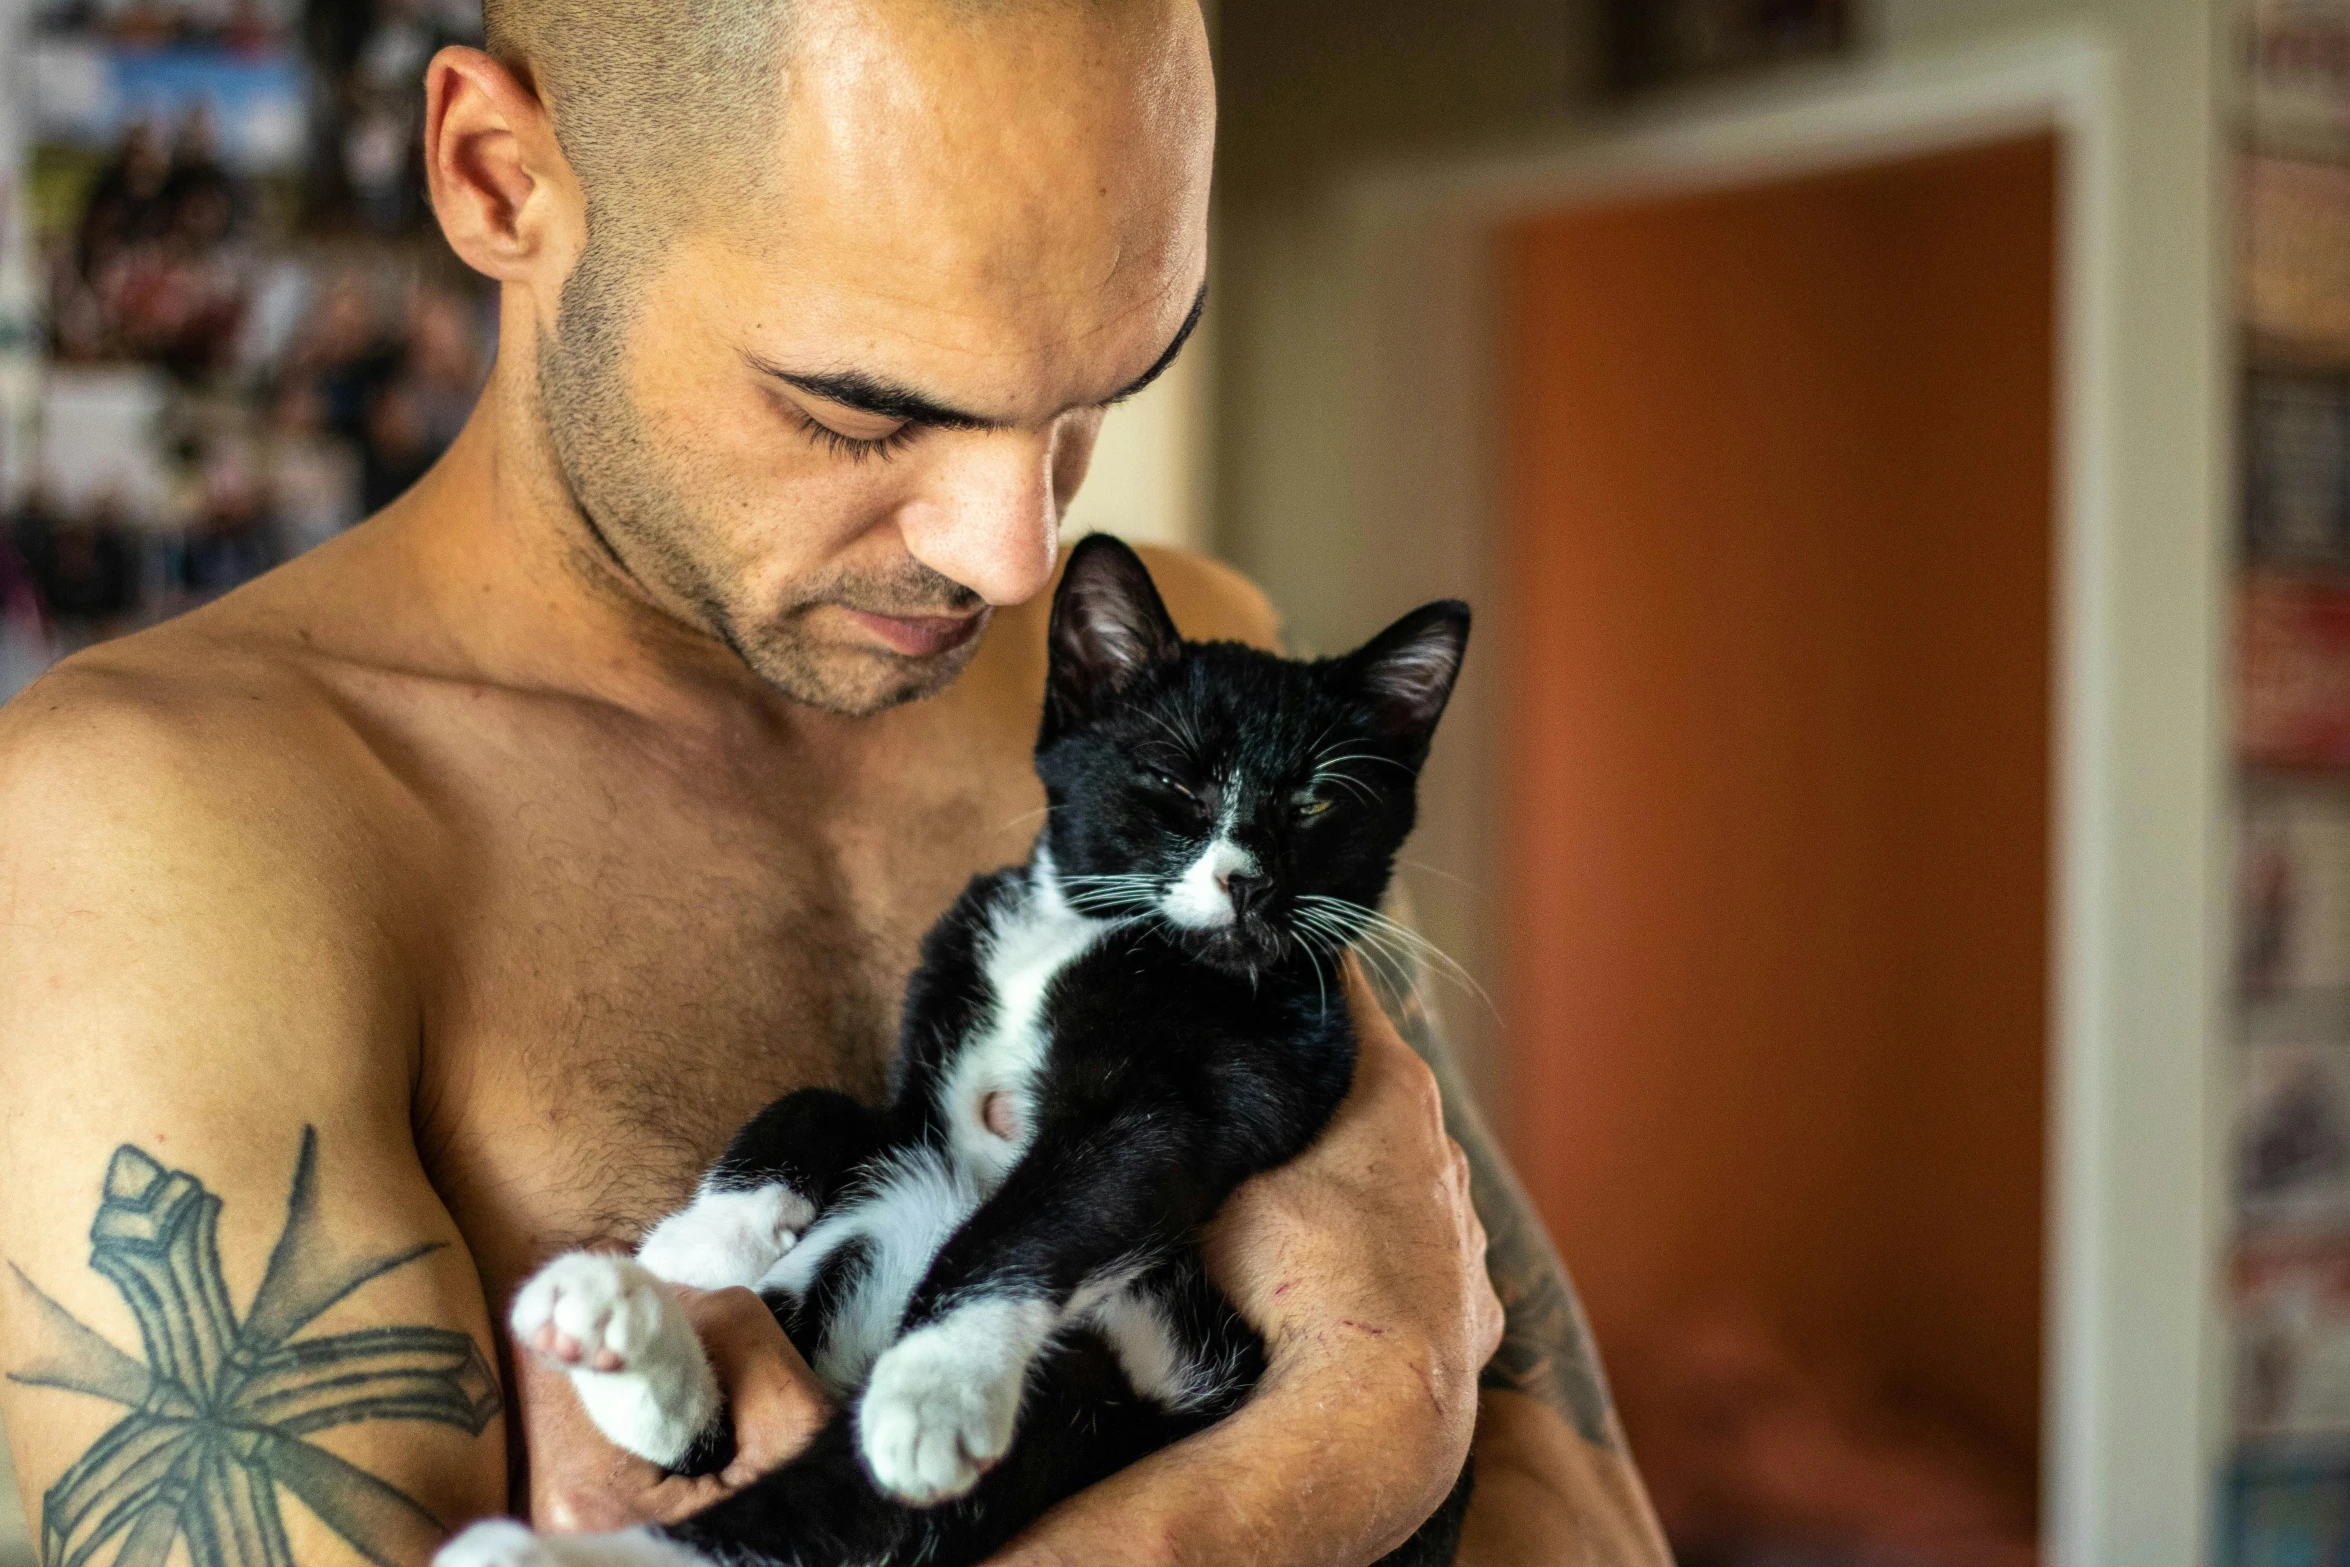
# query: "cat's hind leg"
[781,1170]
[1070,1228]
[631,1353]
[1178,1341]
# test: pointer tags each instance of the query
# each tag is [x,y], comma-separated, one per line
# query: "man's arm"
[1344,1260]
[228,1288]
[1555,1482]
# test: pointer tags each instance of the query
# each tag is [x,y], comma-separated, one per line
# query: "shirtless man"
[446,897]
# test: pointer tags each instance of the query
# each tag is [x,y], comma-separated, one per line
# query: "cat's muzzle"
[1246,947]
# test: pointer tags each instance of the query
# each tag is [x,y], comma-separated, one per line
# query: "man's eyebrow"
[855,389]
[1199,303]
[885,400]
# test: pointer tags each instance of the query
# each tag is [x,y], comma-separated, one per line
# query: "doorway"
[1778,571]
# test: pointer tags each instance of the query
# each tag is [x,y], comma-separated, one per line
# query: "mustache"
[909,589]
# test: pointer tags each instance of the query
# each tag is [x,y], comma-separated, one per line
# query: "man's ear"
[505,194]
[1406,672]
[1108,627]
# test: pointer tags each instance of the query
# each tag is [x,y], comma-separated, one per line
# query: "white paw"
[591,1311]
[727,1238]
[633,1357]
[495,1542]
[943,1401]
[501,1542]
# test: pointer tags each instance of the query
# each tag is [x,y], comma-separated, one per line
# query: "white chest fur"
[1033,938]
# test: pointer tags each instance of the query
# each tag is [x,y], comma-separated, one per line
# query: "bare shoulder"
[1211,602]
[180,800]
[171,721]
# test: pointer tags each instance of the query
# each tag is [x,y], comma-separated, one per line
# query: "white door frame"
[1404,261]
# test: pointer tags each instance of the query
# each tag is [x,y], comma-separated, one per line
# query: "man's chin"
[857,682]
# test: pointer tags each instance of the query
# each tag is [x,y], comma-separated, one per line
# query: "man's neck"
[524,595]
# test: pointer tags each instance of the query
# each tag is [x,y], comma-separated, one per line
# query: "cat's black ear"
[1407,671]
[1108,627]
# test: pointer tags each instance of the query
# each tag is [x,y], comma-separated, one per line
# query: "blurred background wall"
[1836,804]
[1837,415]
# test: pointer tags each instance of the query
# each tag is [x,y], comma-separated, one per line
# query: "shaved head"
[657,103]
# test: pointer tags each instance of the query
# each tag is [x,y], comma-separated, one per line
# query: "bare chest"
[639,951]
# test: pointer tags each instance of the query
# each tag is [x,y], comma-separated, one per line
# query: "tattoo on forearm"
[222,1409]
[1546,1349]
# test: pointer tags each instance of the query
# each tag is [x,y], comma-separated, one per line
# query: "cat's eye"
[1172,784]
[1308,809]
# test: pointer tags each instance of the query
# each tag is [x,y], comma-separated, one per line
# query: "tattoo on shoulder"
[1547,1352]
[222,1408]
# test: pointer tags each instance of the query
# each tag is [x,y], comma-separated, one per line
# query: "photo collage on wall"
[251,333]
[2287,1491]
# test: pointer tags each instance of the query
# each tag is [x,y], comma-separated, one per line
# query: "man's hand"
[1370,1233]
[581,1482]
[1363,1263]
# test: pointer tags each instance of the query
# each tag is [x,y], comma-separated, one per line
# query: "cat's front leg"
[629,1349]
[777,1174]
[727,1236]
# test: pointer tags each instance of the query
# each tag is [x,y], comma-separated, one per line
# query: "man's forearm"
[1544,1495]
[1281,1482]
[1555,1481]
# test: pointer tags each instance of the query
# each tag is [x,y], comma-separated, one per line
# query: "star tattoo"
[222,1408]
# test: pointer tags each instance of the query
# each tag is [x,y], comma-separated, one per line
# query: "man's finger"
[678,1497]
[772,1398]
[579,1481]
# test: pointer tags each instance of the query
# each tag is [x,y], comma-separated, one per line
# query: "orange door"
[1779,465]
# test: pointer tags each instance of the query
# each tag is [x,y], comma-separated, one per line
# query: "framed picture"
[2288,1507]
[2297,457]
[1651,43]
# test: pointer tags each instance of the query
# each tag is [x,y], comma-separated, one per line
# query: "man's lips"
[920,636]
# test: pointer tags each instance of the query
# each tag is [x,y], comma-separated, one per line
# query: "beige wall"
[1149,477]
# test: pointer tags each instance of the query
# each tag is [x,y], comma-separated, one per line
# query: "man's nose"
[989,519]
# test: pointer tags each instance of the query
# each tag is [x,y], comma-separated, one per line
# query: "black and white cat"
[998,1275]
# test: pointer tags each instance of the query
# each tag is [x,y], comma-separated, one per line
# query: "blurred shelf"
[2271,350]
[2265,778]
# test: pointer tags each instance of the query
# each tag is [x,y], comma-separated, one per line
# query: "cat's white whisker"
[1362,790]
[1185,738]
[1438,871]
[1360,756]
[1398,950]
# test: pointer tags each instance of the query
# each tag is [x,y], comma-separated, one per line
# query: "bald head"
[670,111]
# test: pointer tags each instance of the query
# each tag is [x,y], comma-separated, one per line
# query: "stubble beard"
[643,524]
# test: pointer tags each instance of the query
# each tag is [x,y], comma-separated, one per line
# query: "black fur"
[1178,1062]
